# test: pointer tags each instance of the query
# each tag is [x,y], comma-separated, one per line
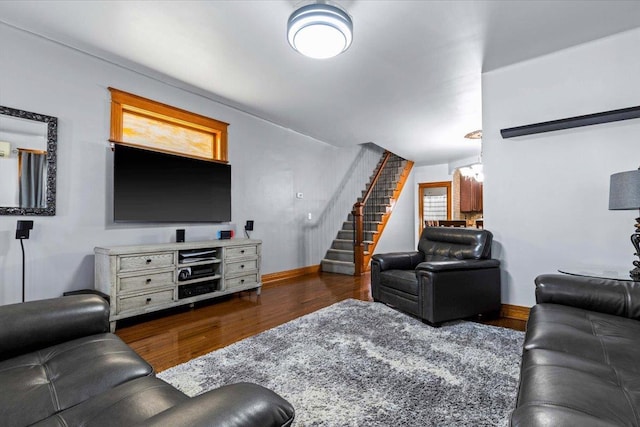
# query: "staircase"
[376,212]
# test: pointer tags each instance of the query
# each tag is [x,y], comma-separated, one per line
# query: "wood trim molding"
[517,312]
[268,279]
[123,102]
[421,187]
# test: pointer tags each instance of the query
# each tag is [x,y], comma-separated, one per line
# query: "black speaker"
[22,230]
[180,235]
[225,234]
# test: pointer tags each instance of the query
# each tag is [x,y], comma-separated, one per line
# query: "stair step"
[378,200]
[340,267]
[347,244]
[348,235]
[339,255]
[368,225]
[369,217]
[380,191]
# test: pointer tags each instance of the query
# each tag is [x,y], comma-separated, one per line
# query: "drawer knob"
[242,266]
[242,251]
[148,300]
[149,261]
[148,280]
[242,281]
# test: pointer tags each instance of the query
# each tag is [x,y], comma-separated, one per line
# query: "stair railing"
[358,214]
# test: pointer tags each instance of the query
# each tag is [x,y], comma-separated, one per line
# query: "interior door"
[434,202]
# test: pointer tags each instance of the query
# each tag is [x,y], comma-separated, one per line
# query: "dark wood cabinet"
[470,195]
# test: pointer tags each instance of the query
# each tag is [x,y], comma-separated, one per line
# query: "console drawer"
[240,251]
[142,282]
[241,266]
[148,261]
[139,302]
[244,280]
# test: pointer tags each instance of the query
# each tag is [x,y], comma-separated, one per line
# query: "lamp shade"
[624,190]
[320,30]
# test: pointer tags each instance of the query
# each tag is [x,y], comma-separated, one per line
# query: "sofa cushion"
[605,338]
[442,243]
[39,384]
[560,385]
[125,405]
[401,280]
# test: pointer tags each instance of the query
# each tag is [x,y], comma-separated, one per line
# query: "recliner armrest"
[33,325]
[398,260]
[235,405]
[615,297]
[457,264]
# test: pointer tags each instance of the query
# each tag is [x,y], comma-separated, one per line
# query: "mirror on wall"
[28,144]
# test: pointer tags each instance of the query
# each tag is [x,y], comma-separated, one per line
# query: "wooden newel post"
[358,238]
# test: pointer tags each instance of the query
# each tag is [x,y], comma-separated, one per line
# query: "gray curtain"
[32,176]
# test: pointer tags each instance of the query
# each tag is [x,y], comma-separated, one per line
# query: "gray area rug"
[358,363]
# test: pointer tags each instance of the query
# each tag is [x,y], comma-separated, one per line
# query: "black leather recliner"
[450,276]
[59,366]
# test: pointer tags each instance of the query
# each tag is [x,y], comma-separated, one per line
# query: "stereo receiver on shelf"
[196,271]
[195,289]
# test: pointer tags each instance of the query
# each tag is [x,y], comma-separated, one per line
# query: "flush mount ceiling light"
[320,30]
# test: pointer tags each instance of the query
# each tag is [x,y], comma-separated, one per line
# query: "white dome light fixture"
[320,30]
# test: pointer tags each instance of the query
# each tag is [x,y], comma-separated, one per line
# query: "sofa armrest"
[33,325]
[235,405]
[398,260]
[457,264]
[620,298]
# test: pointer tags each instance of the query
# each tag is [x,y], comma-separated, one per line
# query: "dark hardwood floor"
[175,336]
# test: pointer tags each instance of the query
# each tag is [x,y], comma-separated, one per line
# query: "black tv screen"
[149,186]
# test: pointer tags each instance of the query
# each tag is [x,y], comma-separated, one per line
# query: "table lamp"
[624,194]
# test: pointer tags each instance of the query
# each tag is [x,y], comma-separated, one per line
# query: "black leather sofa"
[580,364]
[450,276]
[59,366]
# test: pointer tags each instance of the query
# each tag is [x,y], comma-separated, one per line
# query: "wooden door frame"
[424,185]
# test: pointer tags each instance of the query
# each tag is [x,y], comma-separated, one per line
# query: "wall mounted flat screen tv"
[149,186]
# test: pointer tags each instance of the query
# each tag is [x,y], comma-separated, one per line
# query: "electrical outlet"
[249,225]
[22,229]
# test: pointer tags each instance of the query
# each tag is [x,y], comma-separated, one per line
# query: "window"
[145,123]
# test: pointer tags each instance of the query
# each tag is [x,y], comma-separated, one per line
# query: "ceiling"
[410,82]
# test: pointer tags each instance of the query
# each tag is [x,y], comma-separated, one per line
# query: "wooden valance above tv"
[144,123]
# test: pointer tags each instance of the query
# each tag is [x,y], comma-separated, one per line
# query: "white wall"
[269,165]
[398,233]
[546,195]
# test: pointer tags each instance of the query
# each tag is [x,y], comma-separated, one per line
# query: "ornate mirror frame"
[52,142]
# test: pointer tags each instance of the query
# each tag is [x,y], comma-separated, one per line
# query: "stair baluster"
[358,217]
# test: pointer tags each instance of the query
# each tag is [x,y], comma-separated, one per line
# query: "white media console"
[144,278]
